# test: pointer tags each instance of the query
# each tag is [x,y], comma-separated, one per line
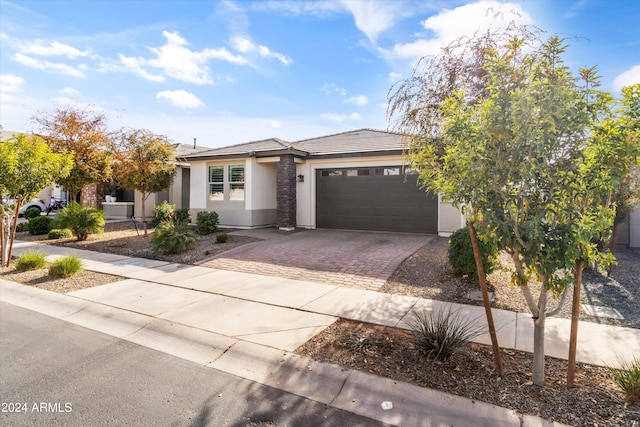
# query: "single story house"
[355,180]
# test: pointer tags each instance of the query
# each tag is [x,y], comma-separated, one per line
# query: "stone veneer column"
[286,193]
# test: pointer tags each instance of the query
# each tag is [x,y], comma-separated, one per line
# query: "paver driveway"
[346,258]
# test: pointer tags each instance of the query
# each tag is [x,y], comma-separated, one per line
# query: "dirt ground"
[596,401]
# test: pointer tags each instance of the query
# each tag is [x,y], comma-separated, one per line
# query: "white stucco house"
[354,180]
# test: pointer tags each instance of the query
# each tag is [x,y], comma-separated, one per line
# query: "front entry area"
[374,198]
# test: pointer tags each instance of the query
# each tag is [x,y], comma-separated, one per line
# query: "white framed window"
[236,182]
[226,183]
[216,183]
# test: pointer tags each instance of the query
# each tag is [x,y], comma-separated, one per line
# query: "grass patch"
[32,260]
[65,267]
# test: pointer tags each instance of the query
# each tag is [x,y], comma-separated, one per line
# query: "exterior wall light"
[300,178]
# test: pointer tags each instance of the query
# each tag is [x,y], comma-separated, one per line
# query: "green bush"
[40,225]
[65,267]
[60,233]
[461,256]
[31,260]
[81,221]
[22,226]
[628,378]
[206,223]
[32,212]
[222,238]
[162,213]
[173,238]
[181,215]
[442,333]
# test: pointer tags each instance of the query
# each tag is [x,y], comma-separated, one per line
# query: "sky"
[228,72]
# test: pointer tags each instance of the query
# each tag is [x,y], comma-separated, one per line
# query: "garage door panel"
[366,201]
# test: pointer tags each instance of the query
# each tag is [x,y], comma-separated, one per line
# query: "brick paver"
[356,259]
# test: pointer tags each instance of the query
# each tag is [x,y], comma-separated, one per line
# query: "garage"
[374,198]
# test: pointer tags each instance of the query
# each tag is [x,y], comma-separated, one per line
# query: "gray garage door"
[375,198]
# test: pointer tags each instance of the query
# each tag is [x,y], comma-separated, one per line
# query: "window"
[387,171]
[332,172]
[216,182]
[236,182]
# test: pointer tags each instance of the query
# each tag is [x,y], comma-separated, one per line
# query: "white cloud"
[69,91]
[374,17]
[181,99]
[394,77]
[10,83]
[43,48]
[51,67]
[359,100]
[340,118]
[320,8]
[627,78]
[134,65]
[246,46]
[175,59]
[330,88]
[451,24]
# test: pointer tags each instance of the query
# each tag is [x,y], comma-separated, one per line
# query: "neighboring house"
[353,180]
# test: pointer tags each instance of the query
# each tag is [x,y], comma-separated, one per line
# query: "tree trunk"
[575,318]
[612,245]
[485,298]
[538,349]
[12,230]
[144,218]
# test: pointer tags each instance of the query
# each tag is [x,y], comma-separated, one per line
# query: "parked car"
[35,203]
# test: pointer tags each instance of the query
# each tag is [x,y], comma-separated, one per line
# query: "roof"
[360,141]
[356,141]
[246,149]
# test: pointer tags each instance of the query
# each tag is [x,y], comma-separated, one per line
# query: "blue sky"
[226,72]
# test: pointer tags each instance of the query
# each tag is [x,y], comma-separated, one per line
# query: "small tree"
[145,162]
[499,124]
[84,134]
[27,166]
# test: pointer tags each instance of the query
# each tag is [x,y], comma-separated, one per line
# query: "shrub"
[31,260]
[22,226]
[442,333]
[60,233]
[162,213]
[173,238]
[40,225]
[65,267]
[628,378]
[32,212]
[81,221]
[206,223]
[181,215]
[461,256]
[222,238]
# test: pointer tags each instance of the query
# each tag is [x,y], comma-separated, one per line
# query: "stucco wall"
[259,205]
[449,218]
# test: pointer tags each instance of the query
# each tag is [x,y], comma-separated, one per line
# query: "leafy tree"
[145,162]
[27,166]
[83,133]
[499,126]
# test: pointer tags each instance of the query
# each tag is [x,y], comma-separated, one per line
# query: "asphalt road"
[57,373]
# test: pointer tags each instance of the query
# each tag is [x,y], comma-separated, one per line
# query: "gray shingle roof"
[356,141]
[244,149]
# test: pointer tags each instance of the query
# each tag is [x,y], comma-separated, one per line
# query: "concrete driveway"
[357,259]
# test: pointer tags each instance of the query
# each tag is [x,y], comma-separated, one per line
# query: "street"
[56,373]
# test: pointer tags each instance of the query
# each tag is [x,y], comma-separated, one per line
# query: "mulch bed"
[389,352]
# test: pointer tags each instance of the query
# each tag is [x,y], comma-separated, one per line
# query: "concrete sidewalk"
[249,325]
